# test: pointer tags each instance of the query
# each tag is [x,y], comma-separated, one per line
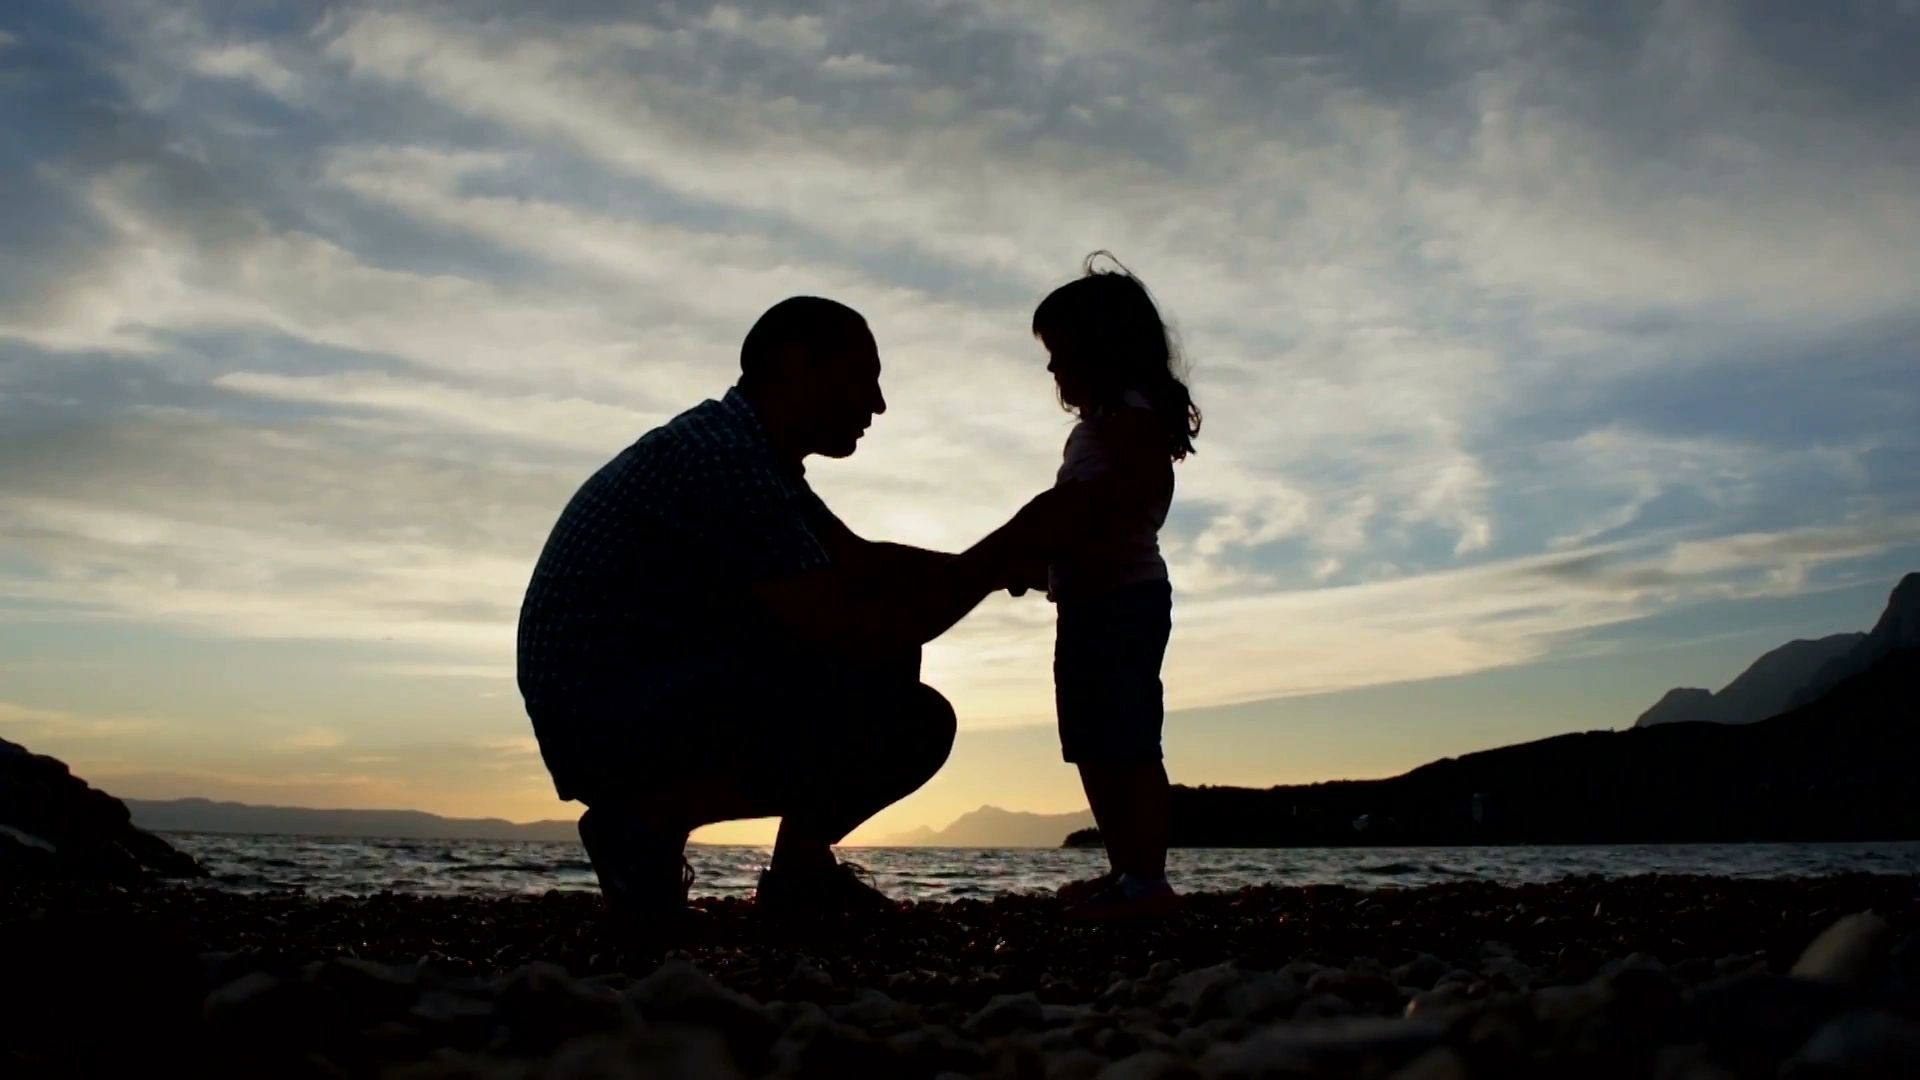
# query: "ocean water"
[339,866]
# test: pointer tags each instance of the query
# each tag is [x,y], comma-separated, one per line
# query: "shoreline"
[1584,976]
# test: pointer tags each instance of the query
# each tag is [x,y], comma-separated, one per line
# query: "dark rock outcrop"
[55,825]
[1840,768]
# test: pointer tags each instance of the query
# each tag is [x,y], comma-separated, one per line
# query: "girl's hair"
[1112,317]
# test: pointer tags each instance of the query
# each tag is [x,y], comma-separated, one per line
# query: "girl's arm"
[1136,471]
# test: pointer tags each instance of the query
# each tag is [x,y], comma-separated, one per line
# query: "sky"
[1551,355]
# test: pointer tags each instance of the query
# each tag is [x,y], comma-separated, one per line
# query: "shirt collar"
[736,406]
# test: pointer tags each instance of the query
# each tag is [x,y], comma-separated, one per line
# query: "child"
[1117,370]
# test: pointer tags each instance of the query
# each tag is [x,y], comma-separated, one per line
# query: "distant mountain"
[1838,768]
[1798,672]
[205,815]
[1765,689]
[991,826]
[1898,629]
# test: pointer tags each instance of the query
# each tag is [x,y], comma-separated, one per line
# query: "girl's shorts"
[1106,673]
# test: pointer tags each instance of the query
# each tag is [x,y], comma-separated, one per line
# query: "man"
[703,641]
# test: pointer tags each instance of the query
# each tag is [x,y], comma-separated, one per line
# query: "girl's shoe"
[1127,901]
[1075,892]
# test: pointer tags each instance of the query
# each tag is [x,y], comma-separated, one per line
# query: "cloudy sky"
[1551,355]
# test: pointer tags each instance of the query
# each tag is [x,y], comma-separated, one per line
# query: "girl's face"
[1068,363]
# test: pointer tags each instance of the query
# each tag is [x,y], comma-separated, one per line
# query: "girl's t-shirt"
[1129,552]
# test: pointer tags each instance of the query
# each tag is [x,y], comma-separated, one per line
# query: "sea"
[330,866]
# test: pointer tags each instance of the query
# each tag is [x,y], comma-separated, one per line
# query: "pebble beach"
[1659,976]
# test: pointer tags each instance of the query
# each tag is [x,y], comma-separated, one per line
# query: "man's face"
[847,396]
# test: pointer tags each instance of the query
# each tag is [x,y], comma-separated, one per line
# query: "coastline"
[1585,976]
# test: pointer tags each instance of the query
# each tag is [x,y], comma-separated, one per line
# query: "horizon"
[1548,362]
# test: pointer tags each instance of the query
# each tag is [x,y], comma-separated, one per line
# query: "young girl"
[1117,370]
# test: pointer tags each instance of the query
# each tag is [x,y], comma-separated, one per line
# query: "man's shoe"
[843,889]
[644,873]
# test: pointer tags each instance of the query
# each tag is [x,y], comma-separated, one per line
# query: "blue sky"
[1551,354]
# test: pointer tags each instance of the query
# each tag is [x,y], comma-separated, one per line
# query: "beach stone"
[1262,996]
[1200,993]
[1150,1065]
[1508,973]
[1758,1020]
[1420,973]
[1323,1007]
[1853,951]
[1075,1064]
[677,993]
[874,1009]
[818,1045]
[543,1006]
[937,1049]
[1870,1044]
[1630,962]
[1118,994]
[1344,1047]
[457,1018]
[1359,987]
[1460,976]
[1439,1063]
[1007,1012]
[1441,1001]
[667,1054]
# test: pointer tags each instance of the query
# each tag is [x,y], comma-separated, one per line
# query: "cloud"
[1508,330]
[313,738]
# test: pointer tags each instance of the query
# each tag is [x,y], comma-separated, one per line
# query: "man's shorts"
[772,716]
[1106,673]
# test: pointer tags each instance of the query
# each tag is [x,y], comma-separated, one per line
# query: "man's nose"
[879,402]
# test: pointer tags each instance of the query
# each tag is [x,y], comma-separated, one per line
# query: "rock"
[1323,1007]
[1630,962]
[1150,1065]
[1445,1000]
[1346,1047]
[1075,1065]
[1005,1013]
[1853,951]
[1199,994]
[679,994]
[542,1006]
[1261,997]
[1757,1020]
[672,1054]
[1509,974]
[1862,1044]
[1420,973]
[54,825]
[821,1046]
[873,1009]
[1359,987]
[1439,1063]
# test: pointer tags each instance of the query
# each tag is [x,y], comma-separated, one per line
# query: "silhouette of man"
[703,641]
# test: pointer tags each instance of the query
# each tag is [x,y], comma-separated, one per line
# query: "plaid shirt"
[641,594]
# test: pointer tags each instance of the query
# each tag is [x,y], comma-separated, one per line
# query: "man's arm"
[878,599]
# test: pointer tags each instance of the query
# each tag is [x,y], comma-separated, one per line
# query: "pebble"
[1238,986]
[1849,952]
[1873,1044]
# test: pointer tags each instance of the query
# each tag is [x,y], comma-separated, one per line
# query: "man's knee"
[929,728]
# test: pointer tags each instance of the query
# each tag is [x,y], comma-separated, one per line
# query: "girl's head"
[1104,337]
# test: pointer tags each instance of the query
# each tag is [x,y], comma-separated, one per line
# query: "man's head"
[812,364]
